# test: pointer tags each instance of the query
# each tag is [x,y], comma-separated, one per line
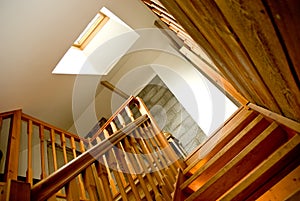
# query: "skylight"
[98,47]
[91,30]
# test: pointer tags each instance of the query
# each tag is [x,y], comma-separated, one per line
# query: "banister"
[122,107]
[49,126]
[49,186]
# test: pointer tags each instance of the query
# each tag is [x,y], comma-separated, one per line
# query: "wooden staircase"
[252,153]
[251,156]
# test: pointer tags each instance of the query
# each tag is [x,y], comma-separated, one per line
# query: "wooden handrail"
[46,188]
[122,107]
[294,125]
[49,126]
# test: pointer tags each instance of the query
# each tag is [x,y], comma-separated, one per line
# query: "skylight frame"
[91,30]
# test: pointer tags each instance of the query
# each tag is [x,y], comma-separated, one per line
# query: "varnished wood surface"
[252,43]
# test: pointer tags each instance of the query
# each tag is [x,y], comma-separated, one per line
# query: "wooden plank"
[227,153]
[237,67]
[284,188]
[12,154]
[17,191]
[285,17]
[224,135]
[256,32]
[237,112]
[266,170]
[241,164]
[211,50]
[277,117]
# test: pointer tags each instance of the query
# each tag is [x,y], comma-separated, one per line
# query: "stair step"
[237,144]
[265,171]
[250,157]
[219,140]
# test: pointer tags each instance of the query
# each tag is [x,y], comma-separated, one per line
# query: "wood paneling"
[254,45]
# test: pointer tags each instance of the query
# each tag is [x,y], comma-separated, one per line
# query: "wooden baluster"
[121,156]
[129,113]
[115,129]
[155,156]
[158,170]
[29,153]
[106,165]
[81,185]
[144,166]
[104,178]
[92,187]
[159,135]
[167,174]
[112,163]
[42,150]
[134,161]
[64,149]
[157,144]
[131,116]
[52,137]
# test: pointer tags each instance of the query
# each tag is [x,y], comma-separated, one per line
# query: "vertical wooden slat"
[29,153]
[81,185]
[105,171]
[144,166]
[164,144]
[52,137]
[104,179]
[92,187]
[112,163]
[128,148]
[120,153]
[150,149]
[42,151]
[12,156]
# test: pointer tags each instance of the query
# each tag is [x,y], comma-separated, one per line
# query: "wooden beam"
[115,89]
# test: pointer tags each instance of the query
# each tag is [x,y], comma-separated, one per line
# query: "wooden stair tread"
[274,162]
[227,132]
[258,121]
[242,159]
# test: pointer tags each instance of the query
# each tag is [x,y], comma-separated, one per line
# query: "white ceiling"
[34,36]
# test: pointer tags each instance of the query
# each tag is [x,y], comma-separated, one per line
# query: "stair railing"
[129,155]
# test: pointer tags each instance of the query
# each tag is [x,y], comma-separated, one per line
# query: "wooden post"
[12,156]
[29,154]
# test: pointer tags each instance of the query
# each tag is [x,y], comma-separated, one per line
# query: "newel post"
[12,156]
